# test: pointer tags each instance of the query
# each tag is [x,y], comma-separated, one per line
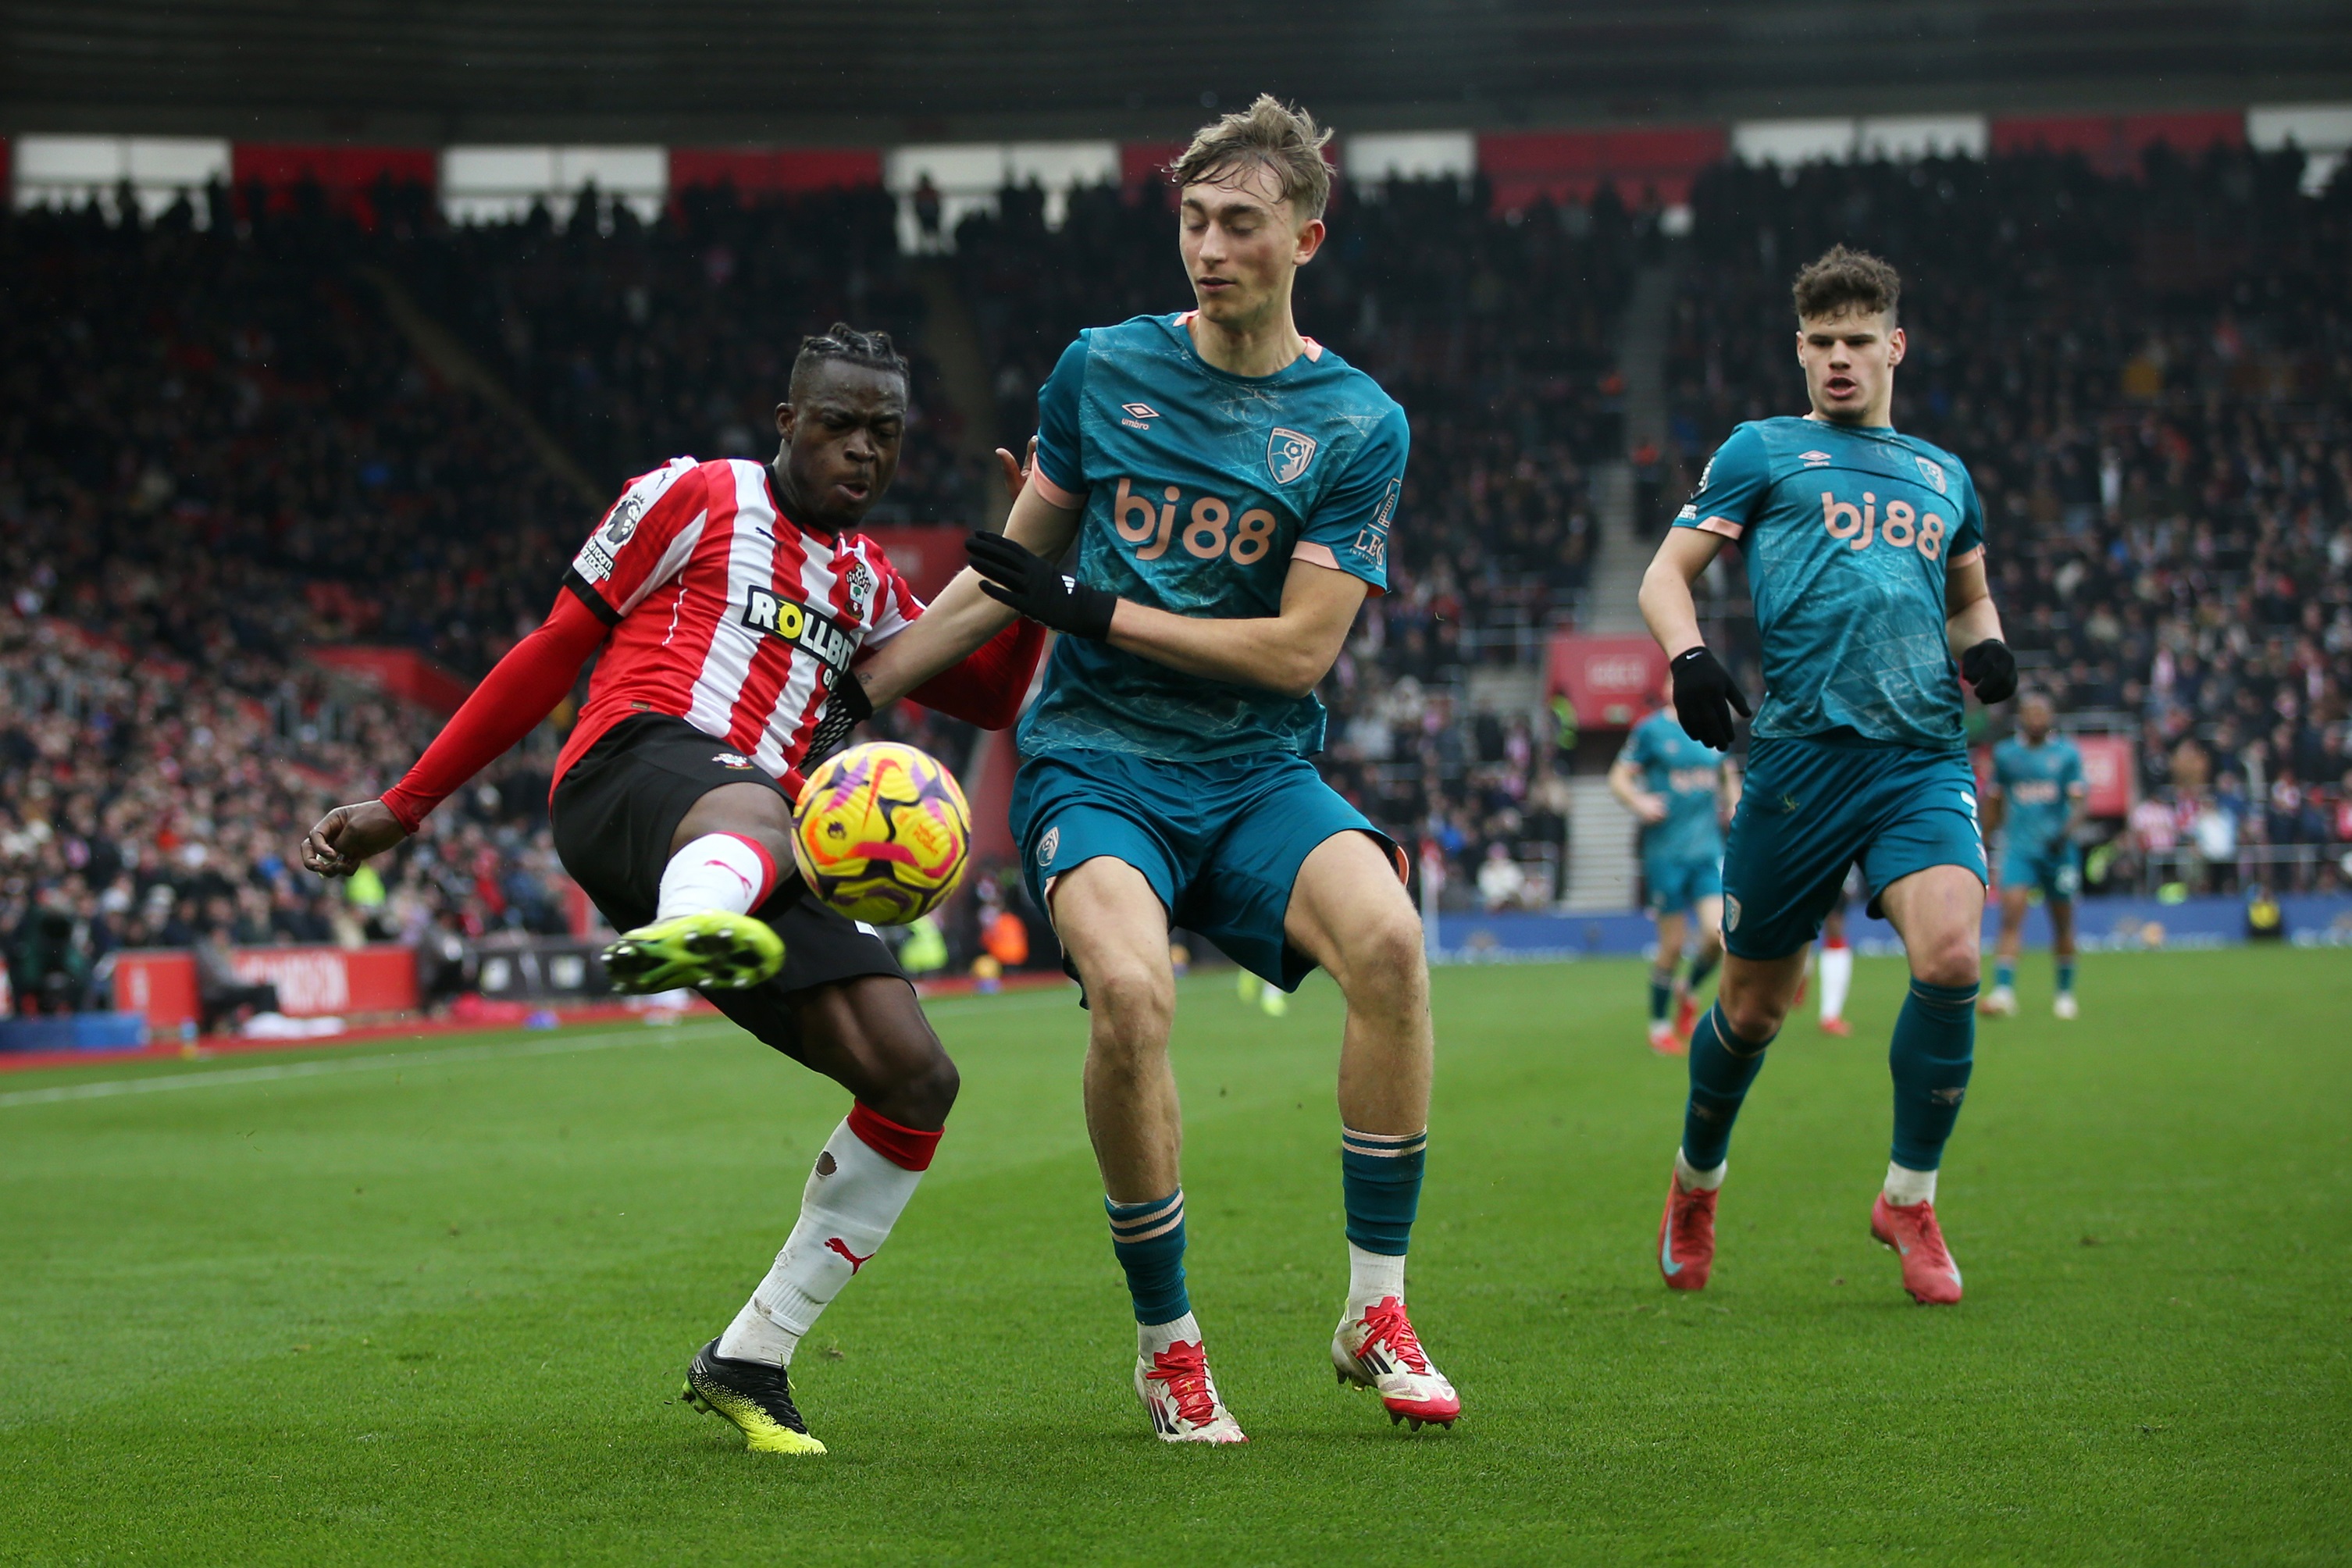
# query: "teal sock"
[1380,1180]
[1149,1241]
[2065,977]
[1701,968]
[1662,994]
[1935,1045]
[1722,1066]
[2004,975]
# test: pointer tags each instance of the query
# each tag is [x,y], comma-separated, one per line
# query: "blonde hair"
[1268,134]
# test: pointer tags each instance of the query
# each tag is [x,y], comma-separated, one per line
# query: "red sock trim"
[1838,946]
[767,866]
[905,1147]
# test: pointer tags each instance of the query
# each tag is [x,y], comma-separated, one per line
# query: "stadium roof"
[883,71]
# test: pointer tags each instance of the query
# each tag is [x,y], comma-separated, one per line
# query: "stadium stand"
[223,452]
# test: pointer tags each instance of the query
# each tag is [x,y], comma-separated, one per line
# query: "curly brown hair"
[1271,133]
[1845,280]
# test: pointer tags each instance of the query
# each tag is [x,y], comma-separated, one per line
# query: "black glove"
[1704,695]
[847,709]
[1991,668]
[1034,586]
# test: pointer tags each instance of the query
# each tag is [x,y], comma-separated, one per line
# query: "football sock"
[1151,1339]
[1722,1066]
[1380,1182]
[1661,993]
[1904,1187]
[2004,975]
[1935,1045]
[1702,967]
[869,1169]
[716,871]
[1149,1241]
[1372,1278]
[1694,1180]
[1837,979]
[2066,976]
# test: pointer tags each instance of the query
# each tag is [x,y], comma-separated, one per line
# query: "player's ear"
[784,421]
[1895,344]
[1310,240]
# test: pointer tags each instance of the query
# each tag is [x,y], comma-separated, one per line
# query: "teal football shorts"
[1220,841]
[1676,883]
[1810,807]
[2055,868]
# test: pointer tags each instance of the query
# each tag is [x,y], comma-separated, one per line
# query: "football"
[882,833]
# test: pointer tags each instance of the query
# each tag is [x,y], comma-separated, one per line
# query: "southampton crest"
[861,587]
[1287,453]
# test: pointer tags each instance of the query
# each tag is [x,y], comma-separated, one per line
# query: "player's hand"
[349,835]
[1991,668]
[1650,809]
[1017,470]
[1705,696]
[1037,588]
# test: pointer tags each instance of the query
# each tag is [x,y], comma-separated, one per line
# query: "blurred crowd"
[219,446]
[2150,380]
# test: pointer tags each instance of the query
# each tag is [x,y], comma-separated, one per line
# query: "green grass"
[436,1310]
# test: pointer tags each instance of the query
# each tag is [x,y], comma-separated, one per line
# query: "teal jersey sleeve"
[1059,458]
[2071,782]
[1971,534]
[1731,488]
[1352,524]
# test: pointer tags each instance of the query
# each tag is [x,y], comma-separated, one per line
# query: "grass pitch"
[376,1307]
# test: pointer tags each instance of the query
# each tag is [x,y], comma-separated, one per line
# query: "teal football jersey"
[1688,774]
[1198,490]
[1847,534]
[2040,783]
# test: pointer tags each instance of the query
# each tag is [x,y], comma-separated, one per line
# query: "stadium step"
[1623,539]
[951,338]
[1602,876]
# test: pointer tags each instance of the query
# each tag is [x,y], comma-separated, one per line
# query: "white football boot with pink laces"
[1378,1350]
[1176,1389]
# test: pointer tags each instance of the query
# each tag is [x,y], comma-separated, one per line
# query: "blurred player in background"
[728,600]
[1837,958]
[1866,551]
[1681,791]
[2036,799]
[1230,486]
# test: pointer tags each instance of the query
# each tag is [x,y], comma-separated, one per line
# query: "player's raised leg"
[1115,929]
[1726,1052]
[722,865]
[1938,911]
[1350,914]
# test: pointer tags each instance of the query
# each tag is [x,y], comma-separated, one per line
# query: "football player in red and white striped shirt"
[729,600]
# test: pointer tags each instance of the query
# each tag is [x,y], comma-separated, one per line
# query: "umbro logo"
[1813,459]
[1139,416]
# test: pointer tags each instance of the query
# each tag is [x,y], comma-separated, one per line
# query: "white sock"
[1837,979]
[1372,1278]
[1151,1339]
[1694,1180]
[853,1198]
[1904,1187]
[716,871]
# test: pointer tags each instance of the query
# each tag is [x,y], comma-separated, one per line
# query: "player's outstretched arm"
[963,618]
[522,689]
[1625,783]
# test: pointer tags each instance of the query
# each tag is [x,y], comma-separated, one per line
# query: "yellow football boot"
[754,1396]
[714,950]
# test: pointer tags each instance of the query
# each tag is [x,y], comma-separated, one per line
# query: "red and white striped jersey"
[724,613]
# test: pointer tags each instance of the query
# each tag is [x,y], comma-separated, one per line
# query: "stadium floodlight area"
[485,184]
[67,171]
[2324,131]
[1370,160]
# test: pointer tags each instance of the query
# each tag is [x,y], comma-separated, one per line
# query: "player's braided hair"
[1269,133]
[1845,280]
[845,344]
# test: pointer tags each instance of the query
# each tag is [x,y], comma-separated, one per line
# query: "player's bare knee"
[1947,957]
[1134,997]
[1753,1017]
[1382,961]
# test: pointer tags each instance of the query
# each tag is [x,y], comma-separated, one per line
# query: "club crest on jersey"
[861,587]
[1932,470]
[814,633]
[1288,453]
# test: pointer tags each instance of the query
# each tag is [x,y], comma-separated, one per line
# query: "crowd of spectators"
[2150,380]
[219,449]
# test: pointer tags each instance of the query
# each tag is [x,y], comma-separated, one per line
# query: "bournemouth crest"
[1287,453]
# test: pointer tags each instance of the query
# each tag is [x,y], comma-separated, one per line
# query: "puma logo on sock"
[834,1244]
